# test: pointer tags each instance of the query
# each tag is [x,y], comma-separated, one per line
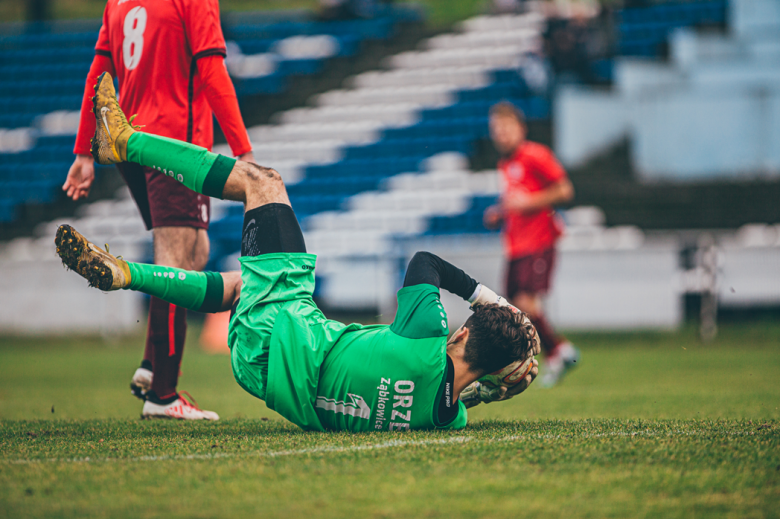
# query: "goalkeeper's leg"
[201,291]
[116,140]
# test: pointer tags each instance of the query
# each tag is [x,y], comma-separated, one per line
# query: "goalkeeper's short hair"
[498,336]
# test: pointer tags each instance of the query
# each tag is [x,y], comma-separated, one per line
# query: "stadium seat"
[43,67]
[642,31]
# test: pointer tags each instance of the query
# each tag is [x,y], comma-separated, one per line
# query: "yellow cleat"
[109,145]
[101,269]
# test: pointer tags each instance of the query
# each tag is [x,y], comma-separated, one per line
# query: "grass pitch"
[650,425]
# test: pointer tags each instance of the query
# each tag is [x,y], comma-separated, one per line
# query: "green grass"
[649,425]
[441,13]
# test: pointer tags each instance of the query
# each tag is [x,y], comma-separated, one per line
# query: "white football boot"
[564,358]
[141,383]
[180,409]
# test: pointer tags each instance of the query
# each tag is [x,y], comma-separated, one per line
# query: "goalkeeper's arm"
[428,268]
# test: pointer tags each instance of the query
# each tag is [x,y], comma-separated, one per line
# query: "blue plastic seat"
[270,84]
[7,210]
[18,88]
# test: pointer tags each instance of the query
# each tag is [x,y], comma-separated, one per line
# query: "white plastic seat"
[503,56]
[389,114]
[417,94]
[523,36]
[503,22]
[472,75]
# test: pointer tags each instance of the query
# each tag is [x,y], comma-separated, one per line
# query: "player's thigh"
[232,290]
[201,250]
[175,246]
[527,302]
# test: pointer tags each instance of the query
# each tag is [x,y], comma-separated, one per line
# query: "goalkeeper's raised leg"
[117,140]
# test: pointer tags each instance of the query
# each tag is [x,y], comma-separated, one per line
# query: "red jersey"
[532,167]
[154,46]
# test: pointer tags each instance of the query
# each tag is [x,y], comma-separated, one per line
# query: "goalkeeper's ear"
[461,335]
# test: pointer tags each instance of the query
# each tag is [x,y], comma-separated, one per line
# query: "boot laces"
[190,401]
[135,126]
[123,118]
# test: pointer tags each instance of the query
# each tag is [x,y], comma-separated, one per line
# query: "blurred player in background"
[534,181]
[169,59]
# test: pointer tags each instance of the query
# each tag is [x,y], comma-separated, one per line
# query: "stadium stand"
[379,168]
[643,31]
[355,142]
[42,71]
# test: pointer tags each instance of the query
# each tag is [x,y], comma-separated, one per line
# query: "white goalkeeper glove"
[484,296]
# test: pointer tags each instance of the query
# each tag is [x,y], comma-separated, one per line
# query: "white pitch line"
[271,454]
[375,446]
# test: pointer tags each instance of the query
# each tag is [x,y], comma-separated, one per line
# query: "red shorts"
[164,202]
[530,274]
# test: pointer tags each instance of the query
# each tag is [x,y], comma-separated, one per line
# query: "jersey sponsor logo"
[401,396]
[356,407]
[307,267]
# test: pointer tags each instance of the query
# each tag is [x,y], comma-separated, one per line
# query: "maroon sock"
[165,338]
[546,333]
[149,349]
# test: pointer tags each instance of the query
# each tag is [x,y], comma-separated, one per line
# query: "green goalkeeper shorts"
[269,283]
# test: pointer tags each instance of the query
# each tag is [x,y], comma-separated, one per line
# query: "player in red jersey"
[169,59]
[534,181]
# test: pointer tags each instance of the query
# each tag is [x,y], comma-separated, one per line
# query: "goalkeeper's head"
[496,336]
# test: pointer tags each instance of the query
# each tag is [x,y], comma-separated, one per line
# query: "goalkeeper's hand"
[523,384]
[478,393]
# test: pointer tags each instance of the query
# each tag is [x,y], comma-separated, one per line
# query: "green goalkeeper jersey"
[324,375]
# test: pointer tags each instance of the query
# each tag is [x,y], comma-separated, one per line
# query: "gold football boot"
[109,145]
[101,269]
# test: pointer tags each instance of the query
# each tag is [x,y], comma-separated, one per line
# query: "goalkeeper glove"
[478,393]
[485,296]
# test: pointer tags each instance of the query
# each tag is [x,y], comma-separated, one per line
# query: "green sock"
[195,167]
[200,291]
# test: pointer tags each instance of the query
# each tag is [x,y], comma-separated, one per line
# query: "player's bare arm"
[80,177]
[557,193]
[81,174]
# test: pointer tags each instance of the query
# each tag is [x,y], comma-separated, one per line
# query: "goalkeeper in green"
[318,373]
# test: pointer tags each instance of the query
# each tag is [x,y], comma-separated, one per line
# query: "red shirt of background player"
[531,168]
[166,92]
